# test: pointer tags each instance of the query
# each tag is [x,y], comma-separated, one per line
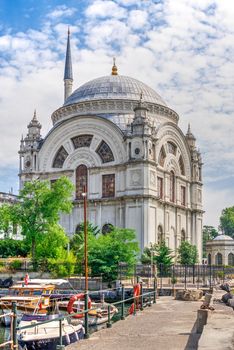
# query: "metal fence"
[199,275]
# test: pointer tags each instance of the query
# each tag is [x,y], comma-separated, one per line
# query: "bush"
[15,265]
[62,267]
[12,247]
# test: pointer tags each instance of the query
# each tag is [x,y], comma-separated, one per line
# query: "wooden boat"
[32,298]
[46,336]
[98,313]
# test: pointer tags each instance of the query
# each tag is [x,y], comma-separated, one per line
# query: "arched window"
[105,152]
[59,158]
[107,228]
[172,186]
[160,235]
[82,141]
[209,259]
[162,156]
[81,180]
[231,259]
[181,164]
[219,259]
[182,235]
[171,148]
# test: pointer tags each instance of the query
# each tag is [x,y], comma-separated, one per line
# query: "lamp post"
[84,195]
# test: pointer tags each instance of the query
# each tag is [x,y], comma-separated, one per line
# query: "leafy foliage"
[208,233]
[63,266]
[53,246]
[39,209]
[106,251]
[11,247]
[227,221]
[188,254]
[159,254]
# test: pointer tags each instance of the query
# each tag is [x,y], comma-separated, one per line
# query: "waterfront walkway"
[167,325]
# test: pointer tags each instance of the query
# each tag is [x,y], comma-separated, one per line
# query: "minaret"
[68,77]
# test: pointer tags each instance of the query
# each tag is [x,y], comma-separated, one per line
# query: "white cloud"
[105,8]
[61,12]
[137,19]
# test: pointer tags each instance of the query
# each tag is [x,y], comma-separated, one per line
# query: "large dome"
[115,87]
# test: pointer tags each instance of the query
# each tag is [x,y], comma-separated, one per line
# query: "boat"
[46,336]
[30,298]
[98,313]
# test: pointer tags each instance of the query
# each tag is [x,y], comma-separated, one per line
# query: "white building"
[117,136]
[220,251]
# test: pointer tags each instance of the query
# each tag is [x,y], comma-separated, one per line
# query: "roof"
[114,87]
[223,238]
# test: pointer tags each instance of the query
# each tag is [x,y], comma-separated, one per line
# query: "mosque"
[116,136]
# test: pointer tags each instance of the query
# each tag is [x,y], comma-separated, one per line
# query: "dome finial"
[114,68]
[35,115]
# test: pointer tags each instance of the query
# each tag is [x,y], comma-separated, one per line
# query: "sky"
[183,49]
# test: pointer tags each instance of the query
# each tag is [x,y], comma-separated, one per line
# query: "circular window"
[28,163]
[137,150]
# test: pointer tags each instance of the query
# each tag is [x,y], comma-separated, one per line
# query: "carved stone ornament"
[135,177]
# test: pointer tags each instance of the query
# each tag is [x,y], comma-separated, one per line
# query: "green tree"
[188,254]
[106,251]
[6,219]
[227,221]
[208,233]
[39,209]
[53,246]
[159,254]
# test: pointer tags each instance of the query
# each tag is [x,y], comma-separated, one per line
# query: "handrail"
[13,314]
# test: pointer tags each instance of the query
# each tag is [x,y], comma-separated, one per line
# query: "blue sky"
[183,49]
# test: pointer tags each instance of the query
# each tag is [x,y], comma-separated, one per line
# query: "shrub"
[15,265]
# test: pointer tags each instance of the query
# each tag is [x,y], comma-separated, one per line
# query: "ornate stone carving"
[135,177]
[112,106]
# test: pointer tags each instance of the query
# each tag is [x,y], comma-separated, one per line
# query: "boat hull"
[51,342]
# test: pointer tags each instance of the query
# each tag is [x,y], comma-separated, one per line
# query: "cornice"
[110,106]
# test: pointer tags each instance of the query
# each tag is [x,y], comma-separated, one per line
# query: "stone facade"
[142,171]
[220,251]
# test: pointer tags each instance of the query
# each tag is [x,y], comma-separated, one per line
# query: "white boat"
[29,299]
[98,313]
[46,336]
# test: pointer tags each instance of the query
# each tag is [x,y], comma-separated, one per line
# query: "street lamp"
[84,195]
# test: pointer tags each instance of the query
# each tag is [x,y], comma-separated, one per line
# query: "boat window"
[26,292]
[37,292]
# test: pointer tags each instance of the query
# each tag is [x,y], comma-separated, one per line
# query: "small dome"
[223,238]
[115,87]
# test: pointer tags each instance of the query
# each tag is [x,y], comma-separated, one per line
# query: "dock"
[166,325]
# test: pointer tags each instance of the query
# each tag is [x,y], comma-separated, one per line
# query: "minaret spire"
[68,77]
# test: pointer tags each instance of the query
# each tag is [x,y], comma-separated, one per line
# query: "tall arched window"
[209,259]
[219,259]
[81,180]
[231,259]
[182,235]
[160,235]
[172,186]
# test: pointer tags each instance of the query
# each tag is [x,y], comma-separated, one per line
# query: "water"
[4,336]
